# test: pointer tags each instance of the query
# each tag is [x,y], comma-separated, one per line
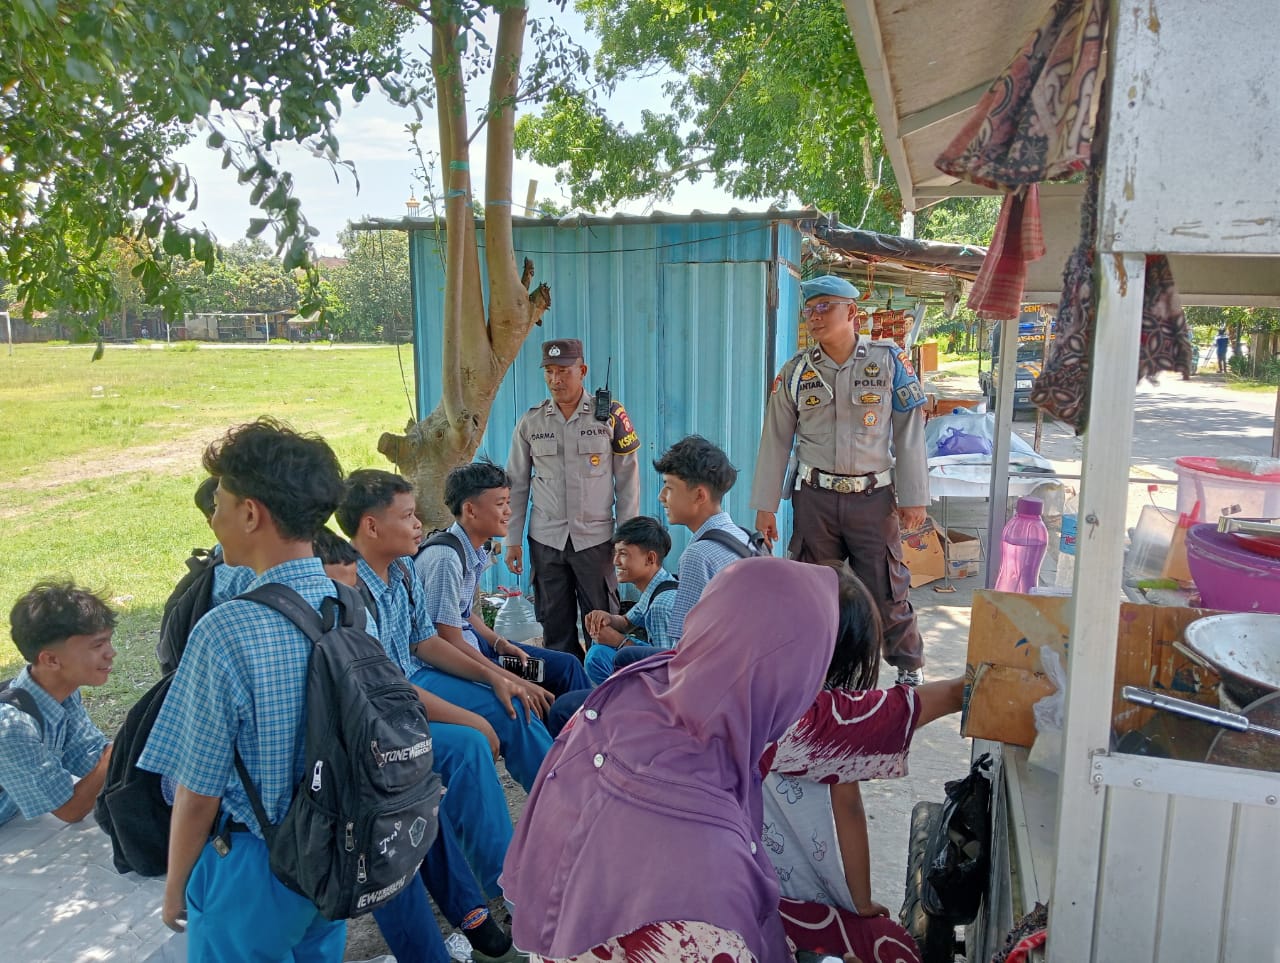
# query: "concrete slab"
[62,901]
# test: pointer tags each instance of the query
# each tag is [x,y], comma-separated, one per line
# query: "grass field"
[98,463]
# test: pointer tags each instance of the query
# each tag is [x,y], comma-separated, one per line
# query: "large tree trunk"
[476,351]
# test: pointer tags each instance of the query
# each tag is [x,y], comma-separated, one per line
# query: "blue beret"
[829,285]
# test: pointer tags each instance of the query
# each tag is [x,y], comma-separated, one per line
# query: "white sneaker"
[911,677]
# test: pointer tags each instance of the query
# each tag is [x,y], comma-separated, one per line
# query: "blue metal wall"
[697,316]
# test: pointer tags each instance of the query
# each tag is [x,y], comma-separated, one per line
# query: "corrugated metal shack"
[697,312]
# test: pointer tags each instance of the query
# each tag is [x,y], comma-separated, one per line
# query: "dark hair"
[695,461]
[52,612]
[368,490]
[855,663]
[467,481]
[295,476]
[204,497]
[332,549]
[646,534]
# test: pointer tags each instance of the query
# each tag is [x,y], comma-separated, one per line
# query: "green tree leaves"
[768,99]
[94,97]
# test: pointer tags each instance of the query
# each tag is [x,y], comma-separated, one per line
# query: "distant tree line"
[366,292]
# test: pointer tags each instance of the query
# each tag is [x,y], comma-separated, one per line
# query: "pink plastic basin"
[1229,577]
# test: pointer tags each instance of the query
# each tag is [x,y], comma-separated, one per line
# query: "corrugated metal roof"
[580,219]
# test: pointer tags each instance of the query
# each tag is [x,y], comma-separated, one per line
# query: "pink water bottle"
[1023,545]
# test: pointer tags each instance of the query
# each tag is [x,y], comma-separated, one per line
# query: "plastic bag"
[957,441]
[1050,712]
[516,620]
[960,848]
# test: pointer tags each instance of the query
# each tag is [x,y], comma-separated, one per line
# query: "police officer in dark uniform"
[848,406]
[582,476]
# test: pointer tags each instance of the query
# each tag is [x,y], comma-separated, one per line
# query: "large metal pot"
[1244,648]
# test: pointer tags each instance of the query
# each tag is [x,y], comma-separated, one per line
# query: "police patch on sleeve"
[625,439]
[907,393]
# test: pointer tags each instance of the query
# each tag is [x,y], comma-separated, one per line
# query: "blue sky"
[372,135]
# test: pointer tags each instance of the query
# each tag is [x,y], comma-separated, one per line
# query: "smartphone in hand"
[531,670]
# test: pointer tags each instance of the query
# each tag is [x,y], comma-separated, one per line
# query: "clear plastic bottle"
[1024,541]
[1067,545]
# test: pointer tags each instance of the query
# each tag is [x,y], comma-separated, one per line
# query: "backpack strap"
[721,537]
[444,537]
[22,700]
[347,609]
[406,578]
[670,585]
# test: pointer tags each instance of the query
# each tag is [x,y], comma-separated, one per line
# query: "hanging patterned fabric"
[1034,124]
[1062,389]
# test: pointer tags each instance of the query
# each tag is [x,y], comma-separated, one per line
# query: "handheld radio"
[603,398]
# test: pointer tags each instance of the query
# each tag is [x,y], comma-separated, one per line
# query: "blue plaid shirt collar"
[288,571]
[718,520]
[477,558]
[660,577]
[53,711]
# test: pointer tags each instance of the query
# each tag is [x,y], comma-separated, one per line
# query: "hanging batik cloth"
[1034,124]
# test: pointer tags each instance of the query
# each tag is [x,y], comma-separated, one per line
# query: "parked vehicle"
[1033,326]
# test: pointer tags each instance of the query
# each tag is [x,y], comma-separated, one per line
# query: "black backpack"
[23,700]
[753,547]
[190,599]
[444,537]
[131,808]
[364,813]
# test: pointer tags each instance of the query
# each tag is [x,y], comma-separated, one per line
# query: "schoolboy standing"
[241,685]
[47,742]
[639,546]
[582,475]
[478,496]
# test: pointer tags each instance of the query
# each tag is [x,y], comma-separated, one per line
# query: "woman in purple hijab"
[640,841]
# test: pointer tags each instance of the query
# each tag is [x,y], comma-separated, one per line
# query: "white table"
[62,901]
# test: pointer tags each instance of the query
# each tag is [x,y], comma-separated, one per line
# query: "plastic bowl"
[1229,576]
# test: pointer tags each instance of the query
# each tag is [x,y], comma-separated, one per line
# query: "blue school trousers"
[598,664]
[524,744]
[238,912]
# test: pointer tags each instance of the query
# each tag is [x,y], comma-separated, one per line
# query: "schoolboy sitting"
[639,546]
[379,514]
[47,742]
[695,477]
[479,497]
[242,685]
[473,812]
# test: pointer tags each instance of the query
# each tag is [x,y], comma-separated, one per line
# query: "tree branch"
[510,310]
[450,115]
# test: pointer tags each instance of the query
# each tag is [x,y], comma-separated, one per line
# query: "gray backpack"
[364,813]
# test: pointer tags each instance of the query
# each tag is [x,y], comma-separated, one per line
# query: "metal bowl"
[1244,647]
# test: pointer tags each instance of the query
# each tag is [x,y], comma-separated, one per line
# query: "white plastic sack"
[1046,751]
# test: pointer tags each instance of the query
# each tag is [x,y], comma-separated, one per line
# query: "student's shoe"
[491,944]
[911,677]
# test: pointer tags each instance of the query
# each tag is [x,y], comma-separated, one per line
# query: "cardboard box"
[922,552]
[964,553]
[1003,676]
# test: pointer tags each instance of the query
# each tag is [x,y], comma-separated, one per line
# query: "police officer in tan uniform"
[849,405]
[582,476]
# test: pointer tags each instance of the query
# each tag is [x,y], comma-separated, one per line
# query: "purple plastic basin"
[1229,577]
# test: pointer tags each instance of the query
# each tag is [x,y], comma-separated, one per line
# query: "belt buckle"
[845,485]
